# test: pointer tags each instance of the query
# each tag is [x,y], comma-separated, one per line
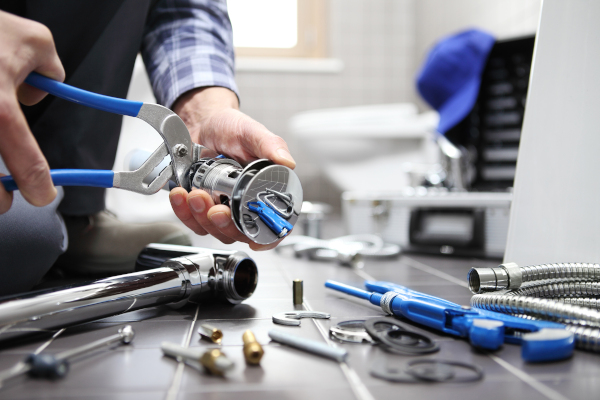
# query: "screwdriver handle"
[47,366]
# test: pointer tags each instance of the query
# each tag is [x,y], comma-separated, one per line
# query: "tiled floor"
[140,371]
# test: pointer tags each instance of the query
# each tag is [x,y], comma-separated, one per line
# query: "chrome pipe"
[195,274]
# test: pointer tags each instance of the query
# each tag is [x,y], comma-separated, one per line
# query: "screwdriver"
[54,366]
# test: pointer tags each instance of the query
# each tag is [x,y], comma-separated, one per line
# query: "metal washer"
[352,331]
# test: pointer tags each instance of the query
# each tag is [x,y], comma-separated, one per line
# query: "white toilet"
[368,147]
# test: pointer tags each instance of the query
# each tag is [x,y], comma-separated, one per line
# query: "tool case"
[439,222]
[473,223]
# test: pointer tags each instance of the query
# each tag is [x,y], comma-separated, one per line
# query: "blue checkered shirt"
[188,44]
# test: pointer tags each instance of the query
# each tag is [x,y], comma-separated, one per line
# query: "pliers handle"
[177,142]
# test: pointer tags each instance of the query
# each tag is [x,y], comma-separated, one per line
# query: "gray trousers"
[31,239]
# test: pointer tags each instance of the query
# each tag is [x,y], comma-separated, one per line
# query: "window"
[278,28]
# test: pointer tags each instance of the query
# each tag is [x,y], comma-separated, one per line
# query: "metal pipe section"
[196,274]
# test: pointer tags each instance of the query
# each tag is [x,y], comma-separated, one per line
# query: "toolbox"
[432,221]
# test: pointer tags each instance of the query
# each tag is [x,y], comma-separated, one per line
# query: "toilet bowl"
[368,147]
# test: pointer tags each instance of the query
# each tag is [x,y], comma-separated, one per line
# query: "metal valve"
[265,198]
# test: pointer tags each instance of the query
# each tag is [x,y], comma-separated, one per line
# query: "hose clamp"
[386,302]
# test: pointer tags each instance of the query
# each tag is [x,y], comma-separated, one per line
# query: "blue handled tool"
[276,223]
[177,143]
[540,340]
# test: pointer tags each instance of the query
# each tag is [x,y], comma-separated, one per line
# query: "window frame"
[311,35]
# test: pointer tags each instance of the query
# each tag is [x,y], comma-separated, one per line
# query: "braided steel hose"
[511,276]
[537,307]
[565,292]
[559,289]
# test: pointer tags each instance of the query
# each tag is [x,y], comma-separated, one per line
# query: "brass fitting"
[209,332]
[216,362]
[297,292]
[253,351]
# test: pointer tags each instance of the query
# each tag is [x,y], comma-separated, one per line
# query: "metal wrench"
[177,143]
[293,317]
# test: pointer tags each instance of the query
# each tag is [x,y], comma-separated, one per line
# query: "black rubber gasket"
[426,376]
[371,326]
[392,373]
[408,373]
[396,340]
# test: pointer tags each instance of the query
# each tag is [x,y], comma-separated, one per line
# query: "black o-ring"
[393,345]
[414,372]
[392,374]
[424,344]
[371,330]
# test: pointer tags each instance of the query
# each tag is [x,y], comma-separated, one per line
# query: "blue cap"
[450,78]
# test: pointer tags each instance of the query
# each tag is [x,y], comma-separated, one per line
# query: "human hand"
[212,116]
[25,46]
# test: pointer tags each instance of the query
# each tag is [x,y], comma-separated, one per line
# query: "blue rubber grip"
[80,96]
[71,177]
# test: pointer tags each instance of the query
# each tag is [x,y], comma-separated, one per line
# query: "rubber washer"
[371,326]
[423,345]
[398,339]
[424,374]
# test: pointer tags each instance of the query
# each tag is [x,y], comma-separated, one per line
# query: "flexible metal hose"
[537,307]
[561,271]
[565,292]
[559,289]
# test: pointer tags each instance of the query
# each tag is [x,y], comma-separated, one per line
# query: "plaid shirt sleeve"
[188,44]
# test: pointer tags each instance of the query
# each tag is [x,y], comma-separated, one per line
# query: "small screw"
[180,150]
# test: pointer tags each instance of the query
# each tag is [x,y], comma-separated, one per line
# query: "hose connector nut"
[209,332]
[216,362]
[253,351]
[505,276]
[515,275]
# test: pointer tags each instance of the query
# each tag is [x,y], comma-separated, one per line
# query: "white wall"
[381,43]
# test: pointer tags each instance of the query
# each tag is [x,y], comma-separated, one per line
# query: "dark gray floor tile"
[574,387]
[485,389]
[274,394]
[281,368]
[233,329]
[111,371]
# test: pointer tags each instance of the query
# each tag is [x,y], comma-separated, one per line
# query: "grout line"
[426,268]
[357,386]
[528,379]
[177,378]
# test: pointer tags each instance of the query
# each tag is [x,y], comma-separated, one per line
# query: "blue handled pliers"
[540,340]
[177,143]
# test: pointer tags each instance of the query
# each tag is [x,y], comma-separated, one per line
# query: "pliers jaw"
[177,141]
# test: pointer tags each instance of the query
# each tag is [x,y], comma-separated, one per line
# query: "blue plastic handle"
[71,177]
[80,96]
[451,318]
[276,223]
